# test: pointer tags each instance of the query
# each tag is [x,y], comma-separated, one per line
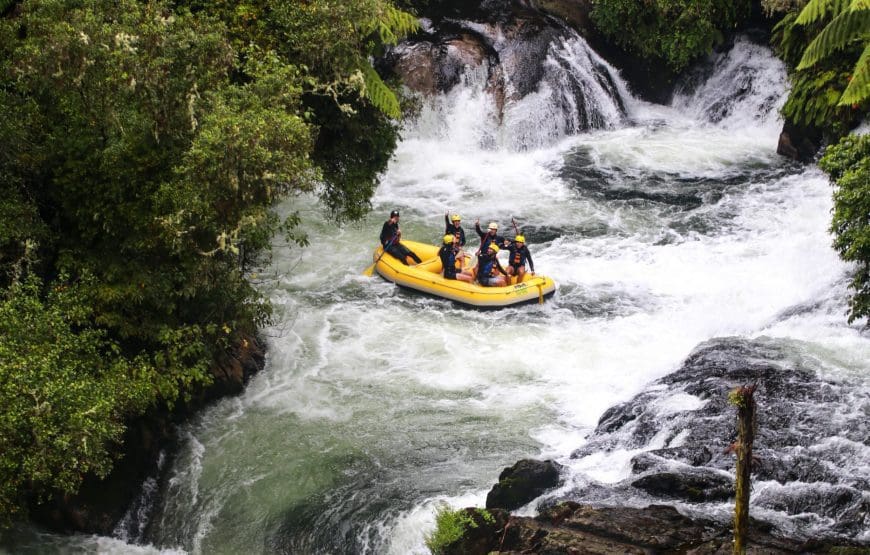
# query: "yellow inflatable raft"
[427,277]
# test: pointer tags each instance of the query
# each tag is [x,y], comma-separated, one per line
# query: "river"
[665,227]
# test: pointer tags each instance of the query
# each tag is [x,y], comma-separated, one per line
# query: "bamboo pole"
[743,399]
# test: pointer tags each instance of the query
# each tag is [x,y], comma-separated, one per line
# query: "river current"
[664,228]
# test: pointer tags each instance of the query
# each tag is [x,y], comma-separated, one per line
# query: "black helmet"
[394,213]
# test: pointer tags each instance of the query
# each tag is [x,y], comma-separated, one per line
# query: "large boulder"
[696,486]
[523,482]
[799,142]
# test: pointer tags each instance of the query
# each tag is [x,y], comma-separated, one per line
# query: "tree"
[65,391]
[848,165]
[676,31]
[849,25]
[145,146]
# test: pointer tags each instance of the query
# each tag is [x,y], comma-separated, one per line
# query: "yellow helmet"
[520,239]
[493,226]
[448,239]
[455,218]
[494,247]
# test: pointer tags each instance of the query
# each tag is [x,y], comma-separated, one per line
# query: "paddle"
[368,272]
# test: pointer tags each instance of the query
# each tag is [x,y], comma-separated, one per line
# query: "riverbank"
[117,504]
[572,528]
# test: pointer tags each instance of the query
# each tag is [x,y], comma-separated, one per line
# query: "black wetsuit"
[486,238]
[517,257]
[448,261]
[391,244]
[450,229]
[485,264]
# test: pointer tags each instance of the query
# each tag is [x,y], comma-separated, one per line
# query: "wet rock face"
[812,434]
[523,482]
[512,51]
[693,486]
[511,43]
[569,528]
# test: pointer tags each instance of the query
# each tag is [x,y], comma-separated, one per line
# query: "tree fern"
[379,94]
[859,87]
[850,24]
[818,10]
[389,25]
[845,28]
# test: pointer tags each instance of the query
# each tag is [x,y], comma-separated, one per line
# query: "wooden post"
[743,399]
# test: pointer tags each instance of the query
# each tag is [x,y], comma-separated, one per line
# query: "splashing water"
[665,227]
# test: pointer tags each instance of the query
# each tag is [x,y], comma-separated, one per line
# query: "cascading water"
[377,404]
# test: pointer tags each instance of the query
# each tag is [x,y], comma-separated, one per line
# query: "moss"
[450,526]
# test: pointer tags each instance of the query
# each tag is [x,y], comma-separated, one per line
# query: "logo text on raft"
[520,286]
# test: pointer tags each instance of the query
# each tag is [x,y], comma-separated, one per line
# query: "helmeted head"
[493,227]
[493,247]
[448,239]
[519,239]
[394,214]
[455,218]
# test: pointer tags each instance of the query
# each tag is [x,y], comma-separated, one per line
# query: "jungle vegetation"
[144,146]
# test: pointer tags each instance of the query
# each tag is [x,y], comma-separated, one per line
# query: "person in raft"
[448,252]
[491,236]
[518,255]
[453,225]
[488,265]
[390,237]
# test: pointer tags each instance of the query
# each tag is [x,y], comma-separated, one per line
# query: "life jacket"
[448,261]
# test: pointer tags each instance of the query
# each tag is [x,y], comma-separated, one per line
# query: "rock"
[812,431]
[800,143]
[478,538]
[522,482]
[572,528]
[574,12]
[695,487]
[512,50]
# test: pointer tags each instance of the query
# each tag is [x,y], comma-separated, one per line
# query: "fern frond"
[817,10]
[391,25]
[845,28]
[379,94]
[859,87]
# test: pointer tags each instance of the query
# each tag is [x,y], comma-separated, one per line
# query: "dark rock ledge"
[570,528]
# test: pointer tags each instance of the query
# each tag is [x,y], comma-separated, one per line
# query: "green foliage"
[676,31]
[772,7]
[815,98]
[65,391]
[145,145]
[848,165]
[450,526]
[848,30]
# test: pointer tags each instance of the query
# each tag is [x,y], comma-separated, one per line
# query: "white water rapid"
[670,226]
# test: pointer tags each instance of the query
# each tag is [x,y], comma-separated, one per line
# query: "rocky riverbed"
[810,470]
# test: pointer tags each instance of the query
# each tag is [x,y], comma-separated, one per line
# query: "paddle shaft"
[371,269]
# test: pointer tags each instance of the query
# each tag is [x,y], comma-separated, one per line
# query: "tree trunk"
[743,398]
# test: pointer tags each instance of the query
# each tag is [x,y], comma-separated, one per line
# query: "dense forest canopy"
[144,144]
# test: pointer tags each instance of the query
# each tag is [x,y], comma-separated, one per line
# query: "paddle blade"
[369,272]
